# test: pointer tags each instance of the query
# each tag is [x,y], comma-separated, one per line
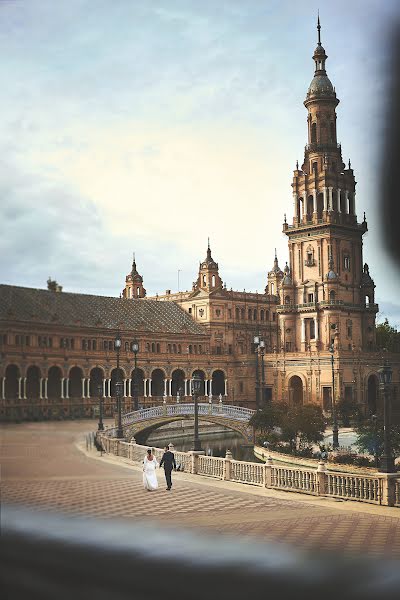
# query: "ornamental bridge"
[141,423]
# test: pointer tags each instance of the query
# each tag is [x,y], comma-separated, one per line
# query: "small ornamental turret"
[208,278]
[134,283]
[275,276]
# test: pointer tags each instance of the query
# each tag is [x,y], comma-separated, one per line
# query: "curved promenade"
[46,467]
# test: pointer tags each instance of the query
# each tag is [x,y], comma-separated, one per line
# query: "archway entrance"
[96,380]
[202,376]
[218,383]
[178,382]
[75,382]
[54,383]
[12,378]
[138,381]
[372,394]
[295,391]
[33,382]
[157,383]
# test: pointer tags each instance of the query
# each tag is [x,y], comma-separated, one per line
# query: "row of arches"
[340,201]
[252,314]
[296,394]
[51,383]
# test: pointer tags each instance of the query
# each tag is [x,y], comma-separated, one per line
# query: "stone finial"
[228,455]
[269,460]
[321,466]
[133,441]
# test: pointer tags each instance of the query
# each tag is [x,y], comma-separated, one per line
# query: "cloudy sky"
[149,125]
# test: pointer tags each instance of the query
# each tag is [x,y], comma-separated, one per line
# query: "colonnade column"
[46,380]
[67,387]
[303,331]
[88,387]
[226,387]
[325,190]
[145,387]
[150,386]
[3,388]
[24,388]
[338,200]
[316,328]
[314,200]
[347,202]
[210,387]
[296,206]
[104,388]
[129,387]
[330,199]
[83,387]
[19,388]
[185,387]
[62,386]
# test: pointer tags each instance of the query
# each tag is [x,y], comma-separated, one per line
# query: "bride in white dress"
[150,464]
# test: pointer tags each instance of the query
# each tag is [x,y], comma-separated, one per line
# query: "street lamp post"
[335,429]
[135,350]
[256,344]
[118,385]
[262,351]
[196,385]
[374,420]
[100,426]
[386,464]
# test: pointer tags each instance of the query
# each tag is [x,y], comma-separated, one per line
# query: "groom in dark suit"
[168,460]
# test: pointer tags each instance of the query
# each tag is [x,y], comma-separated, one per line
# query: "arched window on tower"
[332,127]
[261,315]
[314,133]
[237,314]
[332,296]
[213,281]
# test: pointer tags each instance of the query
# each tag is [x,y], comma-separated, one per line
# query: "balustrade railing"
[356,487]
[397,493]
[299,480]
[236,413]
[376,489]
[211,466]
[247,472]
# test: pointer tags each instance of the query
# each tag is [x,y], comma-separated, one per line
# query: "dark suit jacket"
[168,460]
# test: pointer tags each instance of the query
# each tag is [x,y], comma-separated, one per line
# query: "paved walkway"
[45,466]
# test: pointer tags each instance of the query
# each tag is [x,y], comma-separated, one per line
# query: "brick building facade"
[57,347]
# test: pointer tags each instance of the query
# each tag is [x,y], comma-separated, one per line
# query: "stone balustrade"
[236,413]
[380,488]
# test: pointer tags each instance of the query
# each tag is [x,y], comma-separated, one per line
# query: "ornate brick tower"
[208,279]
[328,296]
[134,284]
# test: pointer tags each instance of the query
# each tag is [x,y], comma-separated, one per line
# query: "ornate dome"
[287,280]
[321,86]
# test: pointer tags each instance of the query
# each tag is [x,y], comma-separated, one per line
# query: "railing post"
[388,488]
[268,472]
[227,465]
[194,459]
[164,407]
[321,478]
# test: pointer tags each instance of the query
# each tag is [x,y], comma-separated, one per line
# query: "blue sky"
[150,126]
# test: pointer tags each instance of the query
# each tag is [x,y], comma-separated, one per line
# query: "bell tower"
[332,292]
[134,283]
[209,279]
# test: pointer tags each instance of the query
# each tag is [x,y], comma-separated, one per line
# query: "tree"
[303,426]
[348,409]
[387,337]
[267,419]
[370,438]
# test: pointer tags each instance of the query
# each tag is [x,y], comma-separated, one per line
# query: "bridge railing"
[380,488]
[236,413]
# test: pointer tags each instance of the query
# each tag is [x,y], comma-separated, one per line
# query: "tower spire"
[319,31]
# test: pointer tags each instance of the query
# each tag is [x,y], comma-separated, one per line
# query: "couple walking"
[150,464]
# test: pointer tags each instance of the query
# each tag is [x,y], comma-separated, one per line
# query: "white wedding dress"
[149,474]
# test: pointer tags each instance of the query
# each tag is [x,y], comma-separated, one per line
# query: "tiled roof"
[84,310]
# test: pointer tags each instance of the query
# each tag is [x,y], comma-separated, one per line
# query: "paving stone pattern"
[43,469]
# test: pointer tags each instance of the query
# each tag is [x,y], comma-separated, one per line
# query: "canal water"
[218,445]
